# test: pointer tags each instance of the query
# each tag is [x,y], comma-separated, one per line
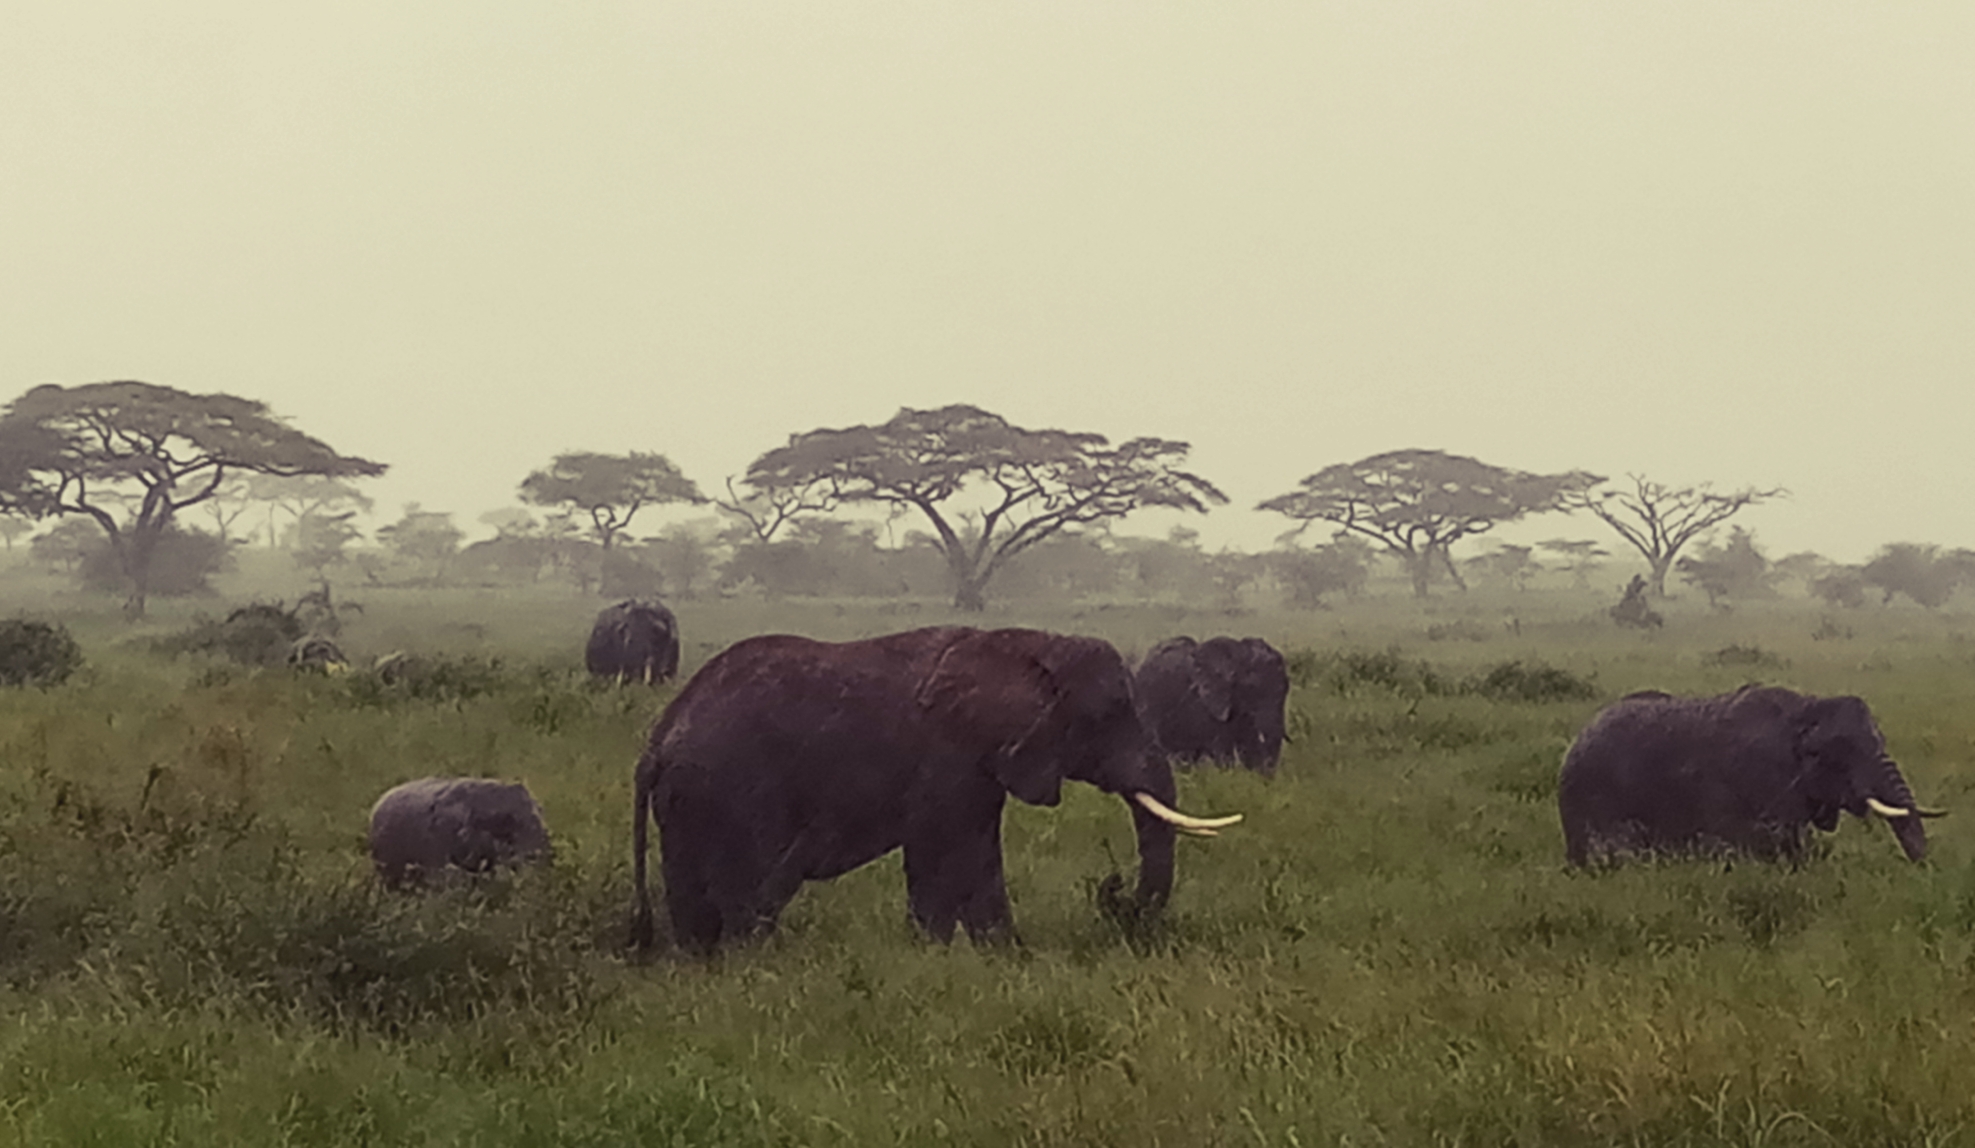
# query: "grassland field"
[1388,951]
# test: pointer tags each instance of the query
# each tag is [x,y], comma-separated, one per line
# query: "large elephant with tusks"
[787,760]
[634,641]
[1745,772]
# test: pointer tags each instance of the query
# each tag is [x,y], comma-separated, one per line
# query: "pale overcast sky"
[1698,239]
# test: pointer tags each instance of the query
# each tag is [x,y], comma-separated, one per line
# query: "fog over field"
[1701,242]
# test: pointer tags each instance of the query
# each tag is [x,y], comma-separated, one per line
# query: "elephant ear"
[994,692]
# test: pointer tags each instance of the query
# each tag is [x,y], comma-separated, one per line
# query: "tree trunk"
[1420,566]
[1657,582]
[137,552]
[970,594]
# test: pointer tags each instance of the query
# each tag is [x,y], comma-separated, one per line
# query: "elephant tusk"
[1885,810]
[1930,812]
[1180,820]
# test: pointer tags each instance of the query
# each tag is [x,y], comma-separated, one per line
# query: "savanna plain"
[1389,950]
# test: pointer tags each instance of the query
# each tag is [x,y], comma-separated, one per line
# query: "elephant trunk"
[1910,829]
[1155,859]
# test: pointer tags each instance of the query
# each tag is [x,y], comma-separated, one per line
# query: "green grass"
[1389,950]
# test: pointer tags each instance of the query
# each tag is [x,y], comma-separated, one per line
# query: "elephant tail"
[641,816]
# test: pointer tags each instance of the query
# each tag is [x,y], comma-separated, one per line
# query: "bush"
[255,635]
[425,678]
[180,565]
[1740,655]
[36,653]
[1517,681]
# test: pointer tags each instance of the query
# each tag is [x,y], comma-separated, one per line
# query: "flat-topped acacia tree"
[148,451]
[610,488]
[1025,485]
[1418,503]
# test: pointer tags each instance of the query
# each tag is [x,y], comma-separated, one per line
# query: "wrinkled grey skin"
[1220,700]
[634,641]
[787,760]
[423,828]
[1743,772]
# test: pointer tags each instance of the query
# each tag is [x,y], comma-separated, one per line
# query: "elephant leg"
[953,876]
[715,870]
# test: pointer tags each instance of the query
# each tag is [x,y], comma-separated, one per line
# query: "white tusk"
[1173,817]
[1885,810]
[1930,812]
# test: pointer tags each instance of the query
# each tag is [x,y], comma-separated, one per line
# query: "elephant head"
[1045,707]
[1846,769]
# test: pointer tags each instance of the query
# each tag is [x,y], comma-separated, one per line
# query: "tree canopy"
[1657,520]
[147,451]
[1418,503]
[610,488]
[1025,485]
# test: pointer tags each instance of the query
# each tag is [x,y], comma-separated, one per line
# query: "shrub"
[36,653]
[1518,681]
[255,635]
[1740,655]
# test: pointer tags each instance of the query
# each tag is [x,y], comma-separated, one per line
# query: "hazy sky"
[1703,240]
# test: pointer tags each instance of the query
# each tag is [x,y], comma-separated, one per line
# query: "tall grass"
[1389,950]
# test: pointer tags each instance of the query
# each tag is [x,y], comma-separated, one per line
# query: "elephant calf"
[1743,772]
[1221,699]
[424,827]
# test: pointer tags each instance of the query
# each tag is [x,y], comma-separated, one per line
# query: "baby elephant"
[422,827]
[1221,700]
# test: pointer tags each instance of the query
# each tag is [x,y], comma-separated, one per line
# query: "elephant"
[421,828]
[634,641]
[315,652]
[1221,699]
[1738,773]
[785,760]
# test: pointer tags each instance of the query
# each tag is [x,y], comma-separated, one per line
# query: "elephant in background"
[787,760]
[1743,772]
[1220,700]
[422,828]
[634,641]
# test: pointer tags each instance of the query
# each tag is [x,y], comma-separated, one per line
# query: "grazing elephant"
[422,827]
[1743,772]
[787,760]
[1221,699]
[316,652]
[634,641]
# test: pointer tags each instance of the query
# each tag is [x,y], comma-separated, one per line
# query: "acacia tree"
[610,488]
[85,450]
[1026,485]
[1418,503]
[1657,520]
[305,497]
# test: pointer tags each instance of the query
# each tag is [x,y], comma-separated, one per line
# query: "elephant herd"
[785,760]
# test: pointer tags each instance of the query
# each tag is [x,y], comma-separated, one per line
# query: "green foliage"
[1520,681]
[1388,950]
[37,653]
[1921,572]
[1737,569]
[1751,656]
